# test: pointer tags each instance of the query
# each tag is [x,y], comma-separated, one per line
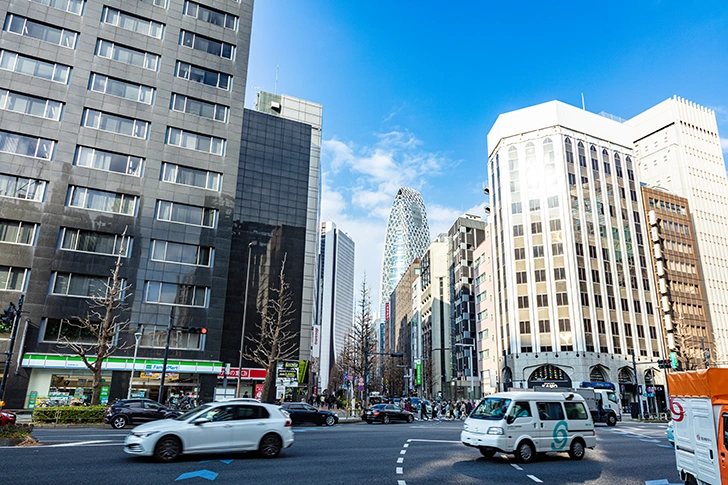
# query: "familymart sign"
[56,361]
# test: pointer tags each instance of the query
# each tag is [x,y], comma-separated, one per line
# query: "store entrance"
[176,385]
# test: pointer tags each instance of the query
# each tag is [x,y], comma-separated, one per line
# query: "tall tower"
[336,297]
[407,238]
[677,147]
[575,290]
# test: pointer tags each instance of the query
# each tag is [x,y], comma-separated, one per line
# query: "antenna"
[582,101]
[277,79]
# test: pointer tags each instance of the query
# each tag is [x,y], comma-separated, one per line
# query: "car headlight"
[495,430]
[143,434]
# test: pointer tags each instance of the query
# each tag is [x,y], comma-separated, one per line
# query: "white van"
[525,423]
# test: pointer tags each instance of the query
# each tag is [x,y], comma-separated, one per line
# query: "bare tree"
[363,344]
[275,341]
[689,355]
[102,324]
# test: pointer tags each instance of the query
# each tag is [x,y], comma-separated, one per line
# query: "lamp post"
[137,337]
[472,362]
[245,311]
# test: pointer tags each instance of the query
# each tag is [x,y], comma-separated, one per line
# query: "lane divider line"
[400,460]
[403,452]
[535,479]
[401,482]
[517,467]
[406,445]
[399,470]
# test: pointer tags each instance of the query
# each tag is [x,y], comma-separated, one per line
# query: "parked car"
[669,432]
[305,413]
[6,417]
[226,426]
[386,413]
[137,411]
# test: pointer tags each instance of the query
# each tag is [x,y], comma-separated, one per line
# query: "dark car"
[386,413]
[305,413]
[137,411]
[6,417]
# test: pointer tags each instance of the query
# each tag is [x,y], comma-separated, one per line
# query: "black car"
[386,413]
[137,411]
[305,413]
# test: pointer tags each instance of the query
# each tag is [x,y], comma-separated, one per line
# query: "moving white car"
[228,426]
[525,423]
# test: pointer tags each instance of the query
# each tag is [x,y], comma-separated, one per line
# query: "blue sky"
[410,89]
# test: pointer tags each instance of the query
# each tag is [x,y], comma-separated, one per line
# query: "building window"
[518,230]
[521,277]
[572,179]
[625,305]
[100,200]
[109,161]
[177,174]
[155,337]
[18,232]
[522,302]
[564,325]
[555,225]
[13,279]
[553,201]
[559,273]
[79,285]
[525,326]
[205,44]
[562,299]
[516,208]
[61,330]
[542,300]
[536,228]
[94,242]
[520,253]
[186,214]
[171,252]
[557,249]
[120,125]
[127,55]
[200,108]
[43,32]
[582,154]
[204,76]
[22,188]
[156,3]
[569,151]
[637,306]
[598,302]
[174,294]
[215,17]
[30,105]
[595,275]
[136,24]
[27,146]
[534,204]
[122,89]
[539,275]
[195,141]
[544,326]
[11,61]
[72,6]
[538,251]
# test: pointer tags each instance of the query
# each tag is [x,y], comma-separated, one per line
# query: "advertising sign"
[287,374]
[386,311]
[258,391]
[31,399]
[418,372]
[104,395]
[247,374]
[158,367]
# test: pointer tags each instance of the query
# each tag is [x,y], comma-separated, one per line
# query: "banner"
[258,391]
[418,372]
[247,373]
[302,370]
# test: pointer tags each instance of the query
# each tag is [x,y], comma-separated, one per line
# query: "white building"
[677,147]
[487,336]
[336,298]
[574,287]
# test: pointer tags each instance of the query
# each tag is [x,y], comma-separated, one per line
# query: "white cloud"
[724,144]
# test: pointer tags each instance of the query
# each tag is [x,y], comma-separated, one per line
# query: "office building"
[487,336]
[575,293]
[335,298]
[677,147]
[403,317]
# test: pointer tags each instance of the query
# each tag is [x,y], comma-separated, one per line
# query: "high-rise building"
[466,234]
[677,147]
[119,116]
[683,306]
[335,298]
[435,311]
[402,313]
[575,291]
[487,340]
[407,237]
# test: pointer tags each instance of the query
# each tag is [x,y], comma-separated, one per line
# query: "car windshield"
[193,412]
[491,408]
[378,406]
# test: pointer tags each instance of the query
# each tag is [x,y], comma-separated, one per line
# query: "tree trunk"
[269,388]
[96,395]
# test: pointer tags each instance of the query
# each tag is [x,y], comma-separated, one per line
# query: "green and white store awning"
[58,361]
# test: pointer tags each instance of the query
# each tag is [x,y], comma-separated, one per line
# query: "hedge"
[69,414]
[14,431]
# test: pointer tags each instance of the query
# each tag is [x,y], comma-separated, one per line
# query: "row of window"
[675,227]
[667,206]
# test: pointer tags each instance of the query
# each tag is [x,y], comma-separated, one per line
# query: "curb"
[69,426]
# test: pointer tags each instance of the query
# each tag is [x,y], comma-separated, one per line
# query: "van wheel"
[690,480]
[576,451]
[525,452]
[611,420]
[487,452]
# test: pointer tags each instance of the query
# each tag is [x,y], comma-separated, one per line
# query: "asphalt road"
[397,454]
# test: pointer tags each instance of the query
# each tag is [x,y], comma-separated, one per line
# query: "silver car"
[227,426]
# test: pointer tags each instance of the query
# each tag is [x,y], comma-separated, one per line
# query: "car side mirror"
[200,421]
[510,419]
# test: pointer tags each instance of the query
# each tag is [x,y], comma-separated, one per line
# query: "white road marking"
[400,460]
[401,482]
[517,467]
[535,479]
[436,441]
[80,443]
[406,445]
[403,452]
[408,441]
[651,441]
[399,470]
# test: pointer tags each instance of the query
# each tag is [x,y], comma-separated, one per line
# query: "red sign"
[386,311]
[315,334]
[258,391]
[247,373]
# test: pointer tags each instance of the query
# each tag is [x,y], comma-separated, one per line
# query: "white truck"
[699,407]
[601,399]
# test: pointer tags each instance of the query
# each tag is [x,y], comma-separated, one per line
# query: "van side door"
[723,445]
[553,428]
[521,421]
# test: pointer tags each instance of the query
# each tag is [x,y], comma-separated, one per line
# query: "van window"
[612,397]
[491,408]
[725,430]
[521,410]
[550,411]
[575,410]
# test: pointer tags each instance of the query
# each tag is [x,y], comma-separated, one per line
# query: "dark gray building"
[119,115]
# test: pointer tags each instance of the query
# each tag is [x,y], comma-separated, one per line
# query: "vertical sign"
[418,372]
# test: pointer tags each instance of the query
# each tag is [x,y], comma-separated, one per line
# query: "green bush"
[69,414]
[13,431]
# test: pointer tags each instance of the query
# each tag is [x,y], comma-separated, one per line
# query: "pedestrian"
[245,395]
[435,405]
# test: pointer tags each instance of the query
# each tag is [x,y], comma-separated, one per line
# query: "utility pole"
[636,385]
[14,314]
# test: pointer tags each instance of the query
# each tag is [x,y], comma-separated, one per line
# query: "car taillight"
[108,409]
[288,423]
[376,413]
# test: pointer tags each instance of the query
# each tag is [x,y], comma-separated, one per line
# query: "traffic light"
[197,330]
[664,364]
[8,316]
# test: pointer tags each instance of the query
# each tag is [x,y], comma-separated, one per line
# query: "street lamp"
[245,311]
[137,337]
[472,367]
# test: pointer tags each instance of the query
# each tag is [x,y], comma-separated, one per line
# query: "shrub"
[69,414]
[13,431]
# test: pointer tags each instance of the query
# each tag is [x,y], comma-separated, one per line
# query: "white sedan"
[227,426]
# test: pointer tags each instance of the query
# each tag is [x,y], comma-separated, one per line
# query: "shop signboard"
[287,374]
[157,376]
[31,399]
[247,373]
[158,367]
[258,391]
[418,372]
[104,397]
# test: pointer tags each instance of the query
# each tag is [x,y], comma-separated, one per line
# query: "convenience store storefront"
[64,379]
